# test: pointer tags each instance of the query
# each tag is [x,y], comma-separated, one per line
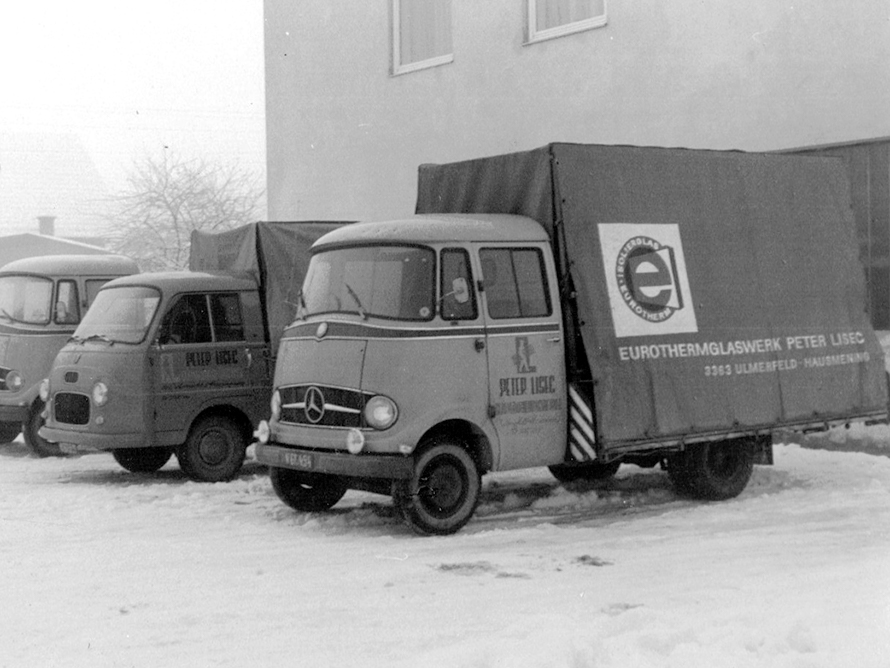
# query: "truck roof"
[51,265]
[435,228]
[187,281]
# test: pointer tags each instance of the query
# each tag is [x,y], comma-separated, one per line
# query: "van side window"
[187,321]
[515,282]
[67,308]
[92,286]
[458,298]
[225,310]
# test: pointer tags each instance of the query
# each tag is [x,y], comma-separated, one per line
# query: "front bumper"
[14,413]
[393,467]
[79,441]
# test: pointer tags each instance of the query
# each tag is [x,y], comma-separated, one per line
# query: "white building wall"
[344,137]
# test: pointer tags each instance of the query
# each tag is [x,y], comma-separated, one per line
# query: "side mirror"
[460,290]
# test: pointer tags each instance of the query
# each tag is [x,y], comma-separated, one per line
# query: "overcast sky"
[129,78]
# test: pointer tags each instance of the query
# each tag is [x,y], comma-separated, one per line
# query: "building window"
[421,34]
[554,18]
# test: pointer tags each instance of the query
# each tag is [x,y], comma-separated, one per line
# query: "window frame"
[539,254]
[533,35]
[398,67]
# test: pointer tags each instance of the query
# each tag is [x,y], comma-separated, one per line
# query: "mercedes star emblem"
[313,405]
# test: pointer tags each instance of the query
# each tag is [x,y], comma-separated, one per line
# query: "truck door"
[203,358]
[526,368]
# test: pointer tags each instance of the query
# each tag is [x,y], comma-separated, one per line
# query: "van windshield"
[119,315]
[26,299]
[393,282]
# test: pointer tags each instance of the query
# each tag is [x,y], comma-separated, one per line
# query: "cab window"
[187,321]
[458,300]
[225,310]
[93,285]
[67,308]
[515,282]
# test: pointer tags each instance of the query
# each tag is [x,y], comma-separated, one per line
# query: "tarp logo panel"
[646,276]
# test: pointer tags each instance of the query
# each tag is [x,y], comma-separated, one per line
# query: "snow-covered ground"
[99,567]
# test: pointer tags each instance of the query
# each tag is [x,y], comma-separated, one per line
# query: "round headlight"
[275,405]
[262,432]
[381,412]
[100,393]
[44,390]
[14,381]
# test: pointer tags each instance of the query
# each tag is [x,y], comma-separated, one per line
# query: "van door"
[202,359]
[524,340]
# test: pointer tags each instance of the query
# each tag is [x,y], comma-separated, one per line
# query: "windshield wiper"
[91,337]
[358,302]
[11,318]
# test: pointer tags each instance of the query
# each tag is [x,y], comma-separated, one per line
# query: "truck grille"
[71,408]
[323,406]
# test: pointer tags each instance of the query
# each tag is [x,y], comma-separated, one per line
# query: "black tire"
[214,450]
[444,490]
[37,445]
[142,460]
[713,471]
[590,471]
[9,430]
[306,491]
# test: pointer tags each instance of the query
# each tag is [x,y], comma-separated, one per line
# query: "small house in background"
[29,244]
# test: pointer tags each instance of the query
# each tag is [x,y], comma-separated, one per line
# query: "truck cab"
[42,301]
[431,344]
[172,362]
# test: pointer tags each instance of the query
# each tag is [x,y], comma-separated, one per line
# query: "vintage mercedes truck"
[42,300]
[575,307]
[181,362]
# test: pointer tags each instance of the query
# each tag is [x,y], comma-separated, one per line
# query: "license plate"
[298,460]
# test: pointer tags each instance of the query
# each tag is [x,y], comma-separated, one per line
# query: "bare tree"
[168,197]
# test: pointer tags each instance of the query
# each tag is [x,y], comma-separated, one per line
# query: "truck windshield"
[119,315]
[26,299]
[393,282]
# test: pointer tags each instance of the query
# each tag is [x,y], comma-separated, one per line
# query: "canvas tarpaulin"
[275,254]
[717,291]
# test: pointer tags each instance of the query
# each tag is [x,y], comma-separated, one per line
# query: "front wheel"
[214,450]
[713,471]
[9,430]
[38,446]
[307,492]
[443,492]
[142,460]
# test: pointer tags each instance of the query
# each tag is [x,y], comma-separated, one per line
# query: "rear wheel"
[39,446]
[9,430]
[713,471]
[214,450]
[142,460]
[589,471]
[443,491]
[308,492]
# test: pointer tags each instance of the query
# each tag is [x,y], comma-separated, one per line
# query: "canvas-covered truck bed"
[275,254]
[710,292]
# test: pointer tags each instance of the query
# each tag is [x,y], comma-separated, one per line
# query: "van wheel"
[590,471]
[443,491]
[39,446]
[214,450]
[713,471]
[307,492]
[142,460]
[9,430]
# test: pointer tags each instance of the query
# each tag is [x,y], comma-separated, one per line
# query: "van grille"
[72,408]
[323,406]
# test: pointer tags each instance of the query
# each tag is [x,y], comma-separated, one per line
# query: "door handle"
[479,345]
[249,357]
[555,339]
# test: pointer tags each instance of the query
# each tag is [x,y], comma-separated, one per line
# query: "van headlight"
[14,381]
[44,390]
[381,412]
[100,393]
[275,405]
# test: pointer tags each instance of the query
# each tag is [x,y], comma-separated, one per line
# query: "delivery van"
[42,300]
[576,307]
[181,362]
